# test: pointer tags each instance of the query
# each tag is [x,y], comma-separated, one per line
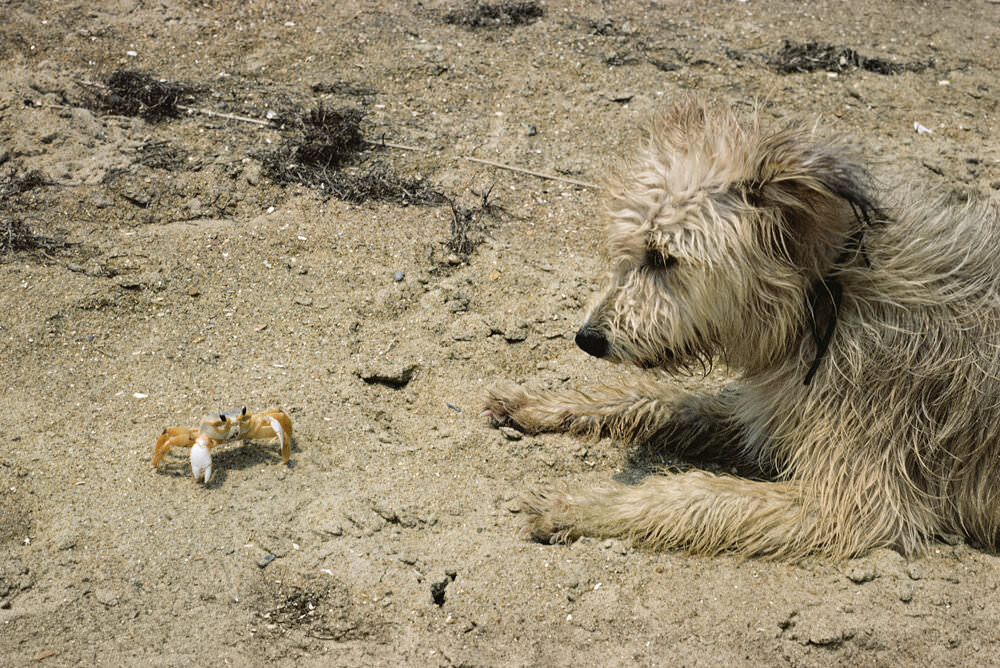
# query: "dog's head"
[719,229]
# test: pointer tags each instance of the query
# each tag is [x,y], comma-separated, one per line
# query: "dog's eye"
[657,259]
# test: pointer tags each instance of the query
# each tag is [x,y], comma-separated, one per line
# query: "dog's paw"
[503,402]
[549,514]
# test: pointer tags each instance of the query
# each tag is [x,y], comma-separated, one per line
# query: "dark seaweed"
[492,14]
[319,154]
[468,225]
[132,93]
[811,56]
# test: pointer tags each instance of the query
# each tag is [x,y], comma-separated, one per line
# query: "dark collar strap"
[831,287]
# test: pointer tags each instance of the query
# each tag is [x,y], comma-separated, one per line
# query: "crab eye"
[657,259]
[222,418]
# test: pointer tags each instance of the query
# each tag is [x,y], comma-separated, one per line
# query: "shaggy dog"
[863,331]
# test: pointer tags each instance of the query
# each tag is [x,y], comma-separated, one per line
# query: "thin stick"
[90,84]
[404,147]
[232,117]
[529,172]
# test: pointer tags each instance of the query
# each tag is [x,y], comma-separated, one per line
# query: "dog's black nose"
[592,342]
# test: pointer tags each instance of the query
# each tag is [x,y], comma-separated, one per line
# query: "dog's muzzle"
[592,342]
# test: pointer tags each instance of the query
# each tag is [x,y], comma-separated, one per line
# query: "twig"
[90,84]
[232,117]
[387,144]
[529,172]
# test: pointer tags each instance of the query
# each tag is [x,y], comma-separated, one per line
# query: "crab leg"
[172,436]
[273,423]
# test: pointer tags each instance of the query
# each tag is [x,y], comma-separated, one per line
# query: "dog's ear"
[811,194]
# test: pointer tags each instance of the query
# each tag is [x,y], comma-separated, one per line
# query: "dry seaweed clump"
[15,235]
[491,14]
[132,93]
[326,139]
[318,157]
[811,56]
[468,225]
[331,137]
[380,183]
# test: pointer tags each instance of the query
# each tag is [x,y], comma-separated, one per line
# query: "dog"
[861,329]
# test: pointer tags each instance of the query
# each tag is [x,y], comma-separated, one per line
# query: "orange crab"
[235,425]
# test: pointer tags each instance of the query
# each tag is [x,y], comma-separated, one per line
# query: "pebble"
[388,514]
[616,546]
[468,327]
[511,434]
[829,637]
[139,199]
[4,604]
[101,201]
[458,304]
[861,574]
[619,97]
[268,558]
[106,597]
[398,276]
[252,174]
[515,333]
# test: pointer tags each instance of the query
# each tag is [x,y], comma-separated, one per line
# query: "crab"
[234,425]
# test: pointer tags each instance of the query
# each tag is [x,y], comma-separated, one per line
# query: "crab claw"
[201,462]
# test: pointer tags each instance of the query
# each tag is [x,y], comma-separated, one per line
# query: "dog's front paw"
[549,514]
[503,403]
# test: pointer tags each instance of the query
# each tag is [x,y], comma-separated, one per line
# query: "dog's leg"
[697,511]
[660,415]
[629,412]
